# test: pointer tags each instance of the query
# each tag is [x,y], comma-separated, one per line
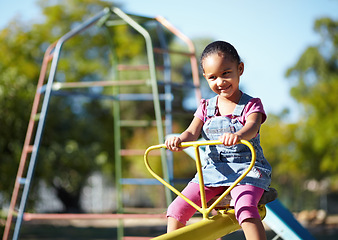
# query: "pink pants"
[246,198]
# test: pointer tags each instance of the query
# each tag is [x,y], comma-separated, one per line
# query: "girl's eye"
[212,78]
[225,73]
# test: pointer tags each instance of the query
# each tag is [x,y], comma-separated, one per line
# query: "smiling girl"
[230,116]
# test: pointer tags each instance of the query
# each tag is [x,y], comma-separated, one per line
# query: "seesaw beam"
[209,229]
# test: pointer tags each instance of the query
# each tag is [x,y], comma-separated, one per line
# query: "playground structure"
[210,227]
[111,17]
[275,215]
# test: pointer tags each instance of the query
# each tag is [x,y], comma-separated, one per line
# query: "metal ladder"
[44,92]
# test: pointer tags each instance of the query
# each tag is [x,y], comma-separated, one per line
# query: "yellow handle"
[204,210]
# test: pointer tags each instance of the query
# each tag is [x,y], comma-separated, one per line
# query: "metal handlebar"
[196,144]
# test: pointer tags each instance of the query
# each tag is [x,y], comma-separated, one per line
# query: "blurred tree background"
[78,137]
[68,153]
[304,153]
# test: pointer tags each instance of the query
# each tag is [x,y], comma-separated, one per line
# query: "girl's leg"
[173,224]
[246,200]
[179,211]
[253,229]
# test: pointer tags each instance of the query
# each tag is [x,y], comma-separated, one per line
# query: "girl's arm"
[249,130]
[190,134]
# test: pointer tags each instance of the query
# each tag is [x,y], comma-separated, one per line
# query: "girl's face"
[223,76]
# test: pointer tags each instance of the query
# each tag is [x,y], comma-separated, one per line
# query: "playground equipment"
[273,213]
[210,227]
[162,119]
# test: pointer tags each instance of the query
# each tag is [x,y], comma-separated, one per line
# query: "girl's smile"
[223,76]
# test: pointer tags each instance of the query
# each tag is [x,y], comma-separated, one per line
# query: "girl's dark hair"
[220,47]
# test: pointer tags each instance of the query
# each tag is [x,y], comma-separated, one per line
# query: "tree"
[78,135]
[315,77]
[19,67]
[78,141]
[307,148]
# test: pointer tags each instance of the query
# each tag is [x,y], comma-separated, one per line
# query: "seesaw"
[210,227]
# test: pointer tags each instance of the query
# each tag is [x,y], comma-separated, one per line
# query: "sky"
[270,36]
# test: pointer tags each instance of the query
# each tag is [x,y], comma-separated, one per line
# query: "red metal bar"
[159,50]
[83,216]
[59,85]
[27,148]
[193,60]
[122,67]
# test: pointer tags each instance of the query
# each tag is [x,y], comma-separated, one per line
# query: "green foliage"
[18,67]
[78,136]
[307,149]
[315,78]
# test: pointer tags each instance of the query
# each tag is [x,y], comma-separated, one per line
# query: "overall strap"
[245,98]
[212,107]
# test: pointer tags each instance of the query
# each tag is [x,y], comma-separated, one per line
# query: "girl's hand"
[173,143]
[229,139]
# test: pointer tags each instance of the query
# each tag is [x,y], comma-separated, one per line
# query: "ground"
[107,229]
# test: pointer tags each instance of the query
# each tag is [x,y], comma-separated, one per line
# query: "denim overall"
[224,164]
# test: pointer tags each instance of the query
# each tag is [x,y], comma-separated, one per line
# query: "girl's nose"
[220,81]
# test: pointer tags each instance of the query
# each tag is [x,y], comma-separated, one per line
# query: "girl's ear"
[240,68]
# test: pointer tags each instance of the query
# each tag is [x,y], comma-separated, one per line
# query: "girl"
[229,117]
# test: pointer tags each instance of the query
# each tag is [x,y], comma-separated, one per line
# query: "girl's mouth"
[225,89]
